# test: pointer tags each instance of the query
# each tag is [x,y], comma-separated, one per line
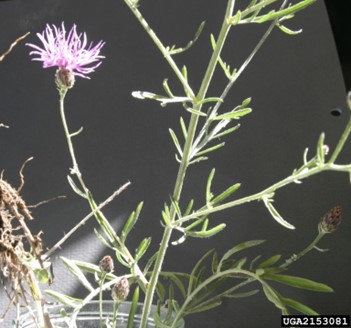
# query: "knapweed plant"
[206,122]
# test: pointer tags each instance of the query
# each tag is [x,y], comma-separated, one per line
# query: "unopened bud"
[106,264]
[64,78]
[331,220]
[120,290]
[348,100]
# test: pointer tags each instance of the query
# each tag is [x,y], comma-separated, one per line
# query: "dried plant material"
[12,46]
[20,250]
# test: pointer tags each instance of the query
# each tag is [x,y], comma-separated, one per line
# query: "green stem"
[115,312]
[75,170]
[186,156]
[341,142]
[101,282]
[294,258]
[259,196]
[161,47]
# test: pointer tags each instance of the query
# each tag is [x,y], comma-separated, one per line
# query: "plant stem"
[294,258]
[259,196]
[75,170]
[184,163]
[161,47]
[101,282]
[341,142]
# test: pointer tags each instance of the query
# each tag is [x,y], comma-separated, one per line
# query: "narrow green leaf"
[210,149]
[238,248]
[178,283]
[211,99]
[150,263]
[185,72]
[299,282]
[275,214]
[272,296]
[242,295]
[167,89]
[214,264]
[228,131]
[176,142]
[233,115]
[203,307]
[64,299]
[74,134]
[320,149]
[245,102]
[75,188]
[208,233]
[195,112]
[236,18]
[302,308]
[225,194]
[142,248]
[209,194]
[184,129]
[166,218]
[74,269]
[133,218]
[196,223]
[102,239]
[175,51]
[133,308]
[239,264]
[103,222]
[196,268]
[272,15]
[269,262]
[224,66]
[161,291]
[189,207]
[288,30]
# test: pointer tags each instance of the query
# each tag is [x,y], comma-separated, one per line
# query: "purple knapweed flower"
[70,52]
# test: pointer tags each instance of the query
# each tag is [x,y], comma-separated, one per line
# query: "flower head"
[120,290]
[331,220]
[106,264]
[67,51]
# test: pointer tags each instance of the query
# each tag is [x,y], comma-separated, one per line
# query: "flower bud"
[331,220]
[64,78]
[106,264]
[120,290]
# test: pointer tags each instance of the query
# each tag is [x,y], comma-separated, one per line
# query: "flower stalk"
[98,213]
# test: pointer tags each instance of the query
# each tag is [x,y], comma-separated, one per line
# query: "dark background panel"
[294,83]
